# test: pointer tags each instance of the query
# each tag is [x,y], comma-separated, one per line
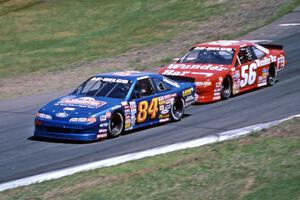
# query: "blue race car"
[108,104]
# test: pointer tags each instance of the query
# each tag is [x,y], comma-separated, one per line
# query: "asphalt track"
[21,157]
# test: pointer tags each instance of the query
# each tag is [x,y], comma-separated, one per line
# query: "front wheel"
[226,90]
[116,125]
[177,109]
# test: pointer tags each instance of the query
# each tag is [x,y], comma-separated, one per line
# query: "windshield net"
[104,87]
[209,55]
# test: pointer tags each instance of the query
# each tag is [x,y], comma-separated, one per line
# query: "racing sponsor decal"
[168,96]
[112,80]
[62,115]
[128,125]
[88,102]
[187,92]
[236,82]
[215,48]
[163,116]
[280,62]
[103,125]
[197,66]
[189,98]
[103,118]
[161,107]
[265,61]
[164,120]
[217,98]
[124,103]
[132,116]
[235,88]
[262,80]
[69,109]
[133,110]
[265,72]
[204,84]
[102,131]
[108,114]
[102,135]
[175,73]
[127,111]
[164,111]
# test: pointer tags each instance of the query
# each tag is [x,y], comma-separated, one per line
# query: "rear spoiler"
[181,79]
[271,46]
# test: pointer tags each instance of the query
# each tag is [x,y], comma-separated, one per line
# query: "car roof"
[130,75]
[226,43]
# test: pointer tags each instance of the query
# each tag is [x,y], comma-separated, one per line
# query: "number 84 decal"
[248,78]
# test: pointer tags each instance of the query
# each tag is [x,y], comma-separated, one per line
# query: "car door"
[247,68]
[145,100]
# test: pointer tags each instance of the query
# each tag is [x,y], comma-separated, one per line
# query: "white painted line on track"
[289,24]
[227,135]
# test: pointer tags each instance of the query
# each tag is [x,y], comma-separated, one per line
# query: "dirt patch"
[248,14]
[286,129]
[249,182]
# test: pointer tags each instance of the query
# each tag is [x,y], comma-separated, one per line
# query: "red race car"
[221,69]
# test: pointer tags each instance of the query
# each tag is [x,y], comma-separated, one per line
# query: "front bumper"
[63,131]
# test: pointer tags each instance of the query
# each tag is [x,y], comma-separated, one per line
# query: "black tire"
[226,90]
[271,79]
[116,125]
[177,109]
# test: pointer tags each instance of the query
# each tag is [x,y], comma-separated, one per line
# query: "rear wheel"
[116,125]
[226,90]
[177,109]
[272,75]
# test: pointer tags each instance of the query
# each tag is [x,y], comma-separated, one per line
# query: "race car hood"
[73,106]
[196,71]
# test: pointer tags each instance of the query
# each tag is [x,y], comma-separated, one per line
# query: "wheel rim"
[178,108]
[272,76]
[226,89]
[116,124]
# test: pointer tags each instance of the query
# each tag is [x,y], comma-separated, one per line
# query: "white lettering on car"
[248,78]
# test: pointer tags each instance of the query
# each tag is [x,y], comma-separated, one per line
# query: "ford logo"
[62,115]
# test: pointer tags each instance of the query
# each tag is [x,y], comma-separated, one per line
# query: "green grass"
[260,166]
[50,35]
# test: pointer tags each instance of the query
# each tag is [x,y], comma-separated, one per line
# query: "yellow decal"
[144,110]
[187,92]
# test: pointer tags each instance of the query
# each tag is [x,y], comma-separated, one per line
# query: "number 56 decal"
[248,78]
[144,110]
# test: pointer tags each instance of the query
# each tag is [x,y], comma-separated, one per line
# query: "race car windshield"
[104,87]
[210,55]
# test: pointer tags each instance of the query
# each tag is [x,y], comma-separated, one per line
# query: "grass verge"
[49,35]
[260,166]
